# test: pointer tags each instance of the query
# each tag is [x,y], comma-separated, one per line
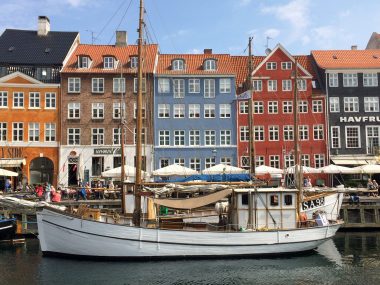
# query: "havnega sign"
[357,119]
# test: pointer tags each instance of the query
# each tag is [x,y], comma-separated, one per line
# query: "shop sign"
[73,160]
[12,152]
[106,151]
[357,119]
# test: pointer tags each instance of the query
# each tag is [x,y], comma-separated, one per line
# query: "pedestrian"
[81,191]
[8,185]
[47,192]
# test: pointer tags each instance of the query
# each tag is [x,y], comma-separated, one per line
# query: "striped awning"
[12,162]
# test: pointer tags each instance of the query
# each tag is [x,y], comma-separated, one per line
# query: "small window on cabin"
[288,200]
[178,64]
[210,64]
[244,199]
[274,200]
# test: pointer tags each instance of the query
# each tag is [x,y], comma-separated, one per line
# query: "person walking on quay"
[47,192]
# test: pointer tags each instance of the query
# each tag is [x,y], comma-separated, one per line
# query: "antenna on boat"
[138,159]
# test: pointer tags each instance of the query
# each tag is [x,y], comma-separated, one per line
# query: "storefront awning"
[12,162]
[352,160]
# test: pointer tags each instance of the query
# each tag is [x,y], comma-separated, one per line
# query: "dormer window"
[178,64]
[109,62]
[209,64]
[83,62]
[134,61]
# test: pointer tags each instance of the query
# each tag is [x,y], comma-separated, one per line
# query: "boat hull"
[331,204]
[61,234]
[7,229]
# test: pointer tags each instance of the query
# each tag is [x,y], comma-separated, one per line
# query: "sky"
[189,26]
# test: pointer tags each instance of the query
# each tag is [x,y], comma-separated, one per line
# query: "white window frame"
[117,111]
[3,131]
[97,136]
[273,133]
[271,65]
[73,85]
[33,132]
[178,64]
[243,107]
[258,107]
[286,85]
[371,104]
[318,132]
[194,85]
[179,137]
[319,160]
[272,85]
[334,104]
[370,80]
[135,85]
[50,100]
[303,132]
[178,88]
[179,111]
[347,137]
[17,131]
[97,111]
[288,132]
[244,133]
[317,106]
[335,137]
[257,85]
[163,85]
[350,80]
[209,88]
[194,137]
[194,111]
[287,107]
[118,85]
[259,133]
[286,65]
[333,80]
[225,85]
[209,64]
[73,110]
[134,61]
[109,62]
[3,99]
[97,85]
[195,163]
[301,84]
[209,138]
[225,137]
[272,107]
[164,138]
[225,111]
[303,106]
[18,100]
[34,100]
[209,111]
[163,111]
[274,161]
[50,132]
[74,135]
[351,104]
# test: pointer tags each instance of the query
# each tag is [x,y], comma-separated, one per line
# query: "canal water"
[351,258]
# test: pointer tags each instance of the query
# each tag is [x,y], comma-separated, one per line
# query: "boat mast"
[138,184]
[297,162]
[252,154]
[122,129]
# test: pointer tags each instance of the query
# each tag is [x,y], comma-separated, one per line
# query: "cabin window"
[244,199]
[274,200]
[288,200]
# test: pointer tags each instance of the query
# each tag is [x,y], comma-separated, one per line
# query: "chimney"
[354,47]
[207,51]
[43,26]
[121,38]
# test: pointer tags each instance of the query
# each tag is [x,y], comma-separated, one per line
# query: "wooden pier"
[365,214]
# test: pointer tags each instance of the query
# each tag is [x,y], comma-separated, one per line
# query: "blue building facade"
[194,111]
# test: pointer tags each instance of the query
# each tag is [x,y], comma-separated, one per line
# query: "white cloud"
[194,51]
[272,33]
[77,3]
[324,33]
[179,33]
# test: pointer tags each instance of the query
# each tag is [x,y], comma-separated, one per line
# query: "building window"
[73,85]
[97,165]
[351,104]
[179,111]
[287,65]
[258,107]
[164,138]
[288,133]
[209,110]
[73,136]
[302,106]
[258,133]
[143,115]
[209,64]
[194,137]
[260,160]
[271,65]
[73,111]
[118,85]
[318,132]
[210,138]
[225,137]
[163,85]
[289,160]
[244,134]
[225,111]
[34,132]
[333,80]
[243,107]
[371,104]
[245,162]
[178,64]
[373,139]
[179,137]
[273,133]
[179,161]
[272,85]
[226,160]
[225,85]
[350,80]
[34,100]
[352,136]
[178,88]
[274,161]
[164,162]
[257,85]
[109,62]
[209,91]
[305,160]
[209,162]
[319,160]
[116,136]
[163,110]
[287,107]
[134,61]
[334,104]
[317,106]
[195,163]
[18,132]
[136,85]
[370,79]
[3,99]
[301,84]
[286,85]
[50,101]
[335,137]
[143,136]
[50,134]
[83,62]
[3,131]
[18,100]
[194,110]
[194,85]
[97,110]
[303,132]
[97,135]
[272,107]
[117,111]
[97,85]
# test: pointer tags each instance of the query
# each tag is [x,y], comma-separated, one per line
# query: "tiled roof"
[194,64]
[306,62]
[241,67]
[122,54]
[343,59]
[24,47]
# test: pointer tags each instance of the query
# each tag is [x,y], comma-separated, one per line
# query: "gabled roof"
[121,53]
[241,66]
[374,41]
[23,47]
[347,59]
[194,64]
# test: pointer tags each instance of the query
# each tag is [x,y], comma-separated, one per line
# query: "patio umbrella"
[263,169]
[305,169]
[336,169]
[224,169]
[174,170]
[4,172]
[116,172]
[367,168]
